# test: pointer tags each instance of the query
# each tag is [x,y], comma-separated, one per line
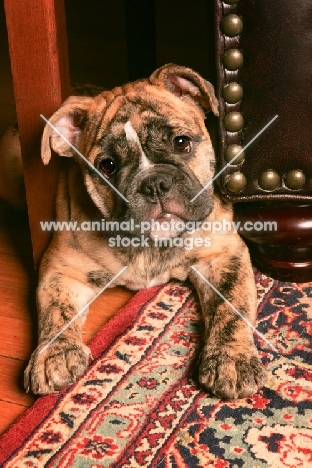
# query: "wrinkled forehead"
[148,108]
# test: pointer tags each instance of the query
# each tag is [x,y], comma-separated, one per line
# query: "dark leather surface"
[276,43]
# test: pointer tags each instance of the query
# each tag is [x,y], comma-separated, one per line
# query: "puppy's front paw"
[59,365]
[229,375]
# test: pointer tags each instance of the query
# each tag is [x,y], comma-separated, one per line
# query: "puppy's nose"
[156,186]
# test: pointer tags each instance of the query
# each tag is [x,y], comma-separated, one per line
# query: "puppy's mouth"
[161,202]
[166,225]
[166,219]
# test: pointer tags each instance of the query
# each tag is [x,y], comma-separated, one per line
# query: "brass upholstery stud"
[269,180]
[236,182]
[295,179]
[233,59]
[232,25]
[230,153]
[234,121]
[232,93]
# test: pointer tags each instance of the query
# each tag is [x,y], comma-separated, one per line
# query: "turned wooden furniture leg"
[39,62]
[282,250]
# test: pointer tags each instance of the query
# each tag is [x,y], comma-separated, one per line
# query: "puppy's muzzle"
[156,187]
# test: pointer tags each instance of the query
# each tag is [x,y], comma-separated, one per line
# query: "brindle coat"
[149,140]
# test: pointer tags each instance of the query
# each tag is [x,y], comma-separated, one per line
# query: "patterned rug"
[139,406]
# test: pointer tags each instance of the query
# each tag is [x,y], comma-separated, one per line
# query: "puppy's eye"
[107,167]
[182,144]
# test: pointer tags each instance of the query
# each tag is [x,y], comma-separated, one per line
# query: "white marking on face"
[133,137]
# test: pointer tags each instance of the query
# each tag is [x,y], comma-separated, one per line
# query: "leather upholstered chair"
[264,67]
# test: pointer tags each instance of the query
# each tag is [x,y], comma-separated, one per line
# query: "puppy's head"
[143,148]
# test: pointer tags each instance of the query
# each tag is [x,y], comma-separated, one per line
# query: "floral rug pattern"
[139,405]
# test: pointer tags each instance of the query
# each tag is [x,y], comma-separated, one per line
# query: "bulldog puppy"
[146,156]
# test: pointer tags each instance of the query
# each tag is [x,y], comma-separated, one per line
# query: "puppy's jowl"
[149,140]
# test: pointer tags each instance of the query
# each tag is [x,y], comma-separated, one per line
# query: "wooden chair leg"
[39,61]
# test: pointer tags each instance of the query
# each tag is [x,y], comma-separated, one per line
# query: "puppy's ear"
[183,81]
[65,127]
